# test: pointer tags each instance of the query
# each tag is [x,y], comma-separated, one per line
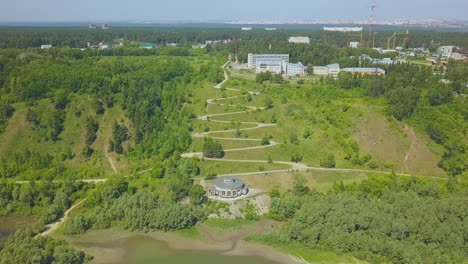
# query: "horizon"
[242,10]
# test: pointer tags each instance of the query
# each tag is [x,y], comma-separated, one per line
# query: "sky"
[219,10]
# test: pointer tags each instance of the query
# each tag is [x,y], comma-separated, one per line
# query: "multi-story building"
[252,58]
[332,69]
[305,40]
[273,66]
[293,69]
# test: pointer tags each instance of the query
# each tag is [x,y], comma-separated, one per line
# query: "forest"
[392,219]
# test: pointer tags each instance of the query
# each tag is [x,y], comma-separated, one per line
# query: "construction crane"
[393,38]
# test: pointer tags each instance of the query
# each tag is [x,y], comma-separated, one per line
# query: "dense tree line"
[25,247]
[78,37]
[118,202]
[46,199]
[401,220]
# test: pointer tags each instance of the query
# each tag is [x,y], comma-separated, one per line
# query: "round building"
[228,187]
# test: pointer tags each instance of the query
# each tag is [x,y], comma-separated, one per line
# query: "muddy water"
[9,225]
[143,250]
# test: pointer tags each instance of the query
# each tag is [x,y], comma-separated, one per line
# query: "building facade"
[331,69]
[273,66]
[305,40]
[252,58]
[354,44]
[293,69]
[228,187]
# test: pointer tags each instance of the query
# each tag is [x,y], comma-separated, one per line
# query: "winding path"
[53,226]
[255,125]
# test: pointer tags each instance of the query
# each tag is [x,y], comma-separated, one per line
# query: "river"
[121,246]
[143,250]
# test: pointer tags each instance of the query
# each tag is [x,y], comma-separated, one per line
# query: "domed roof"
[229,183]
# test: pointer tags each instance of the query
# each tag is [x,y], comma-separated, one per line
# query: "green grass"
[190,233]
[227,144]
[297,250]
[228,224]
[220,167]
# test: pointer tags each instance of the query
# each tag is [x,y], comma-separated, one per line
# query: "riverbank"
[117,245]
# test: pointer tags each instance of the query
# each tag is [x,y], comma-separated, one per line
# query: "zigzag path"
[219,119]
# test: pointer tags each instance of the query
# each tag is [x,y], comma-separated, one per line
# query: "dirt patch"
[386,142]
[15,129]
[419,159]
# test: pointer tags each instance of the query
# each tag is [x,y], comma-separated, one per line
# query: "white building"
[252,58]
[305,40]
[354,44]
[320,70]
[46,46]
[273,66]
[332,69]
[246,28]
[228,187]
[293,69]
[343,29]
[447,50]
[385,61]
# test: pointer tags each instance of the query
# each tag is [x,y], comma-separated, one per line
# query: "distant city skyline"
[211,10]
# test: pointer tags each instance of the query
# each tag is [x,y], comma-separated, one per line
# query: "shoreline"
[108,245]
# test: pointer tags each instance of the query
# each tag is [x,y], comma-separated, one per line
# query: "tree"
[265,141]
[76,225]
[402,102]
[197,195]
[212,149]
[310,69]
[277,78]
[328,160]
[440,94]
[268,102]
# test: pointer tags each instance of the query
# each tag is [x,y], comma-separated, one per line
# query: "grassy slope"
[384,139]
[19,135]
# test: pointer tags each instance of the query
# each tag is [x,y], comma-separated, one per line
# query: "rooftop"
[228,183]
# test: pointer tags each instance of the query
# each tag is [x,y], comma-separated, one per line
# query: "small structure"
[305,40]
[354,44]
[147,45]
[228,187]
[46,46]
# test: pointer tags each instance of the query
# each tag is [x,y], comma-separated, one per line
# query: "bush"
[212,149]
[328,161]
[265,141]
[77,225]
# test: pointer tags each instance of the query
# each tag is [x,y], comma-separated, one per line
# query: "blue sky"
[194,10]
